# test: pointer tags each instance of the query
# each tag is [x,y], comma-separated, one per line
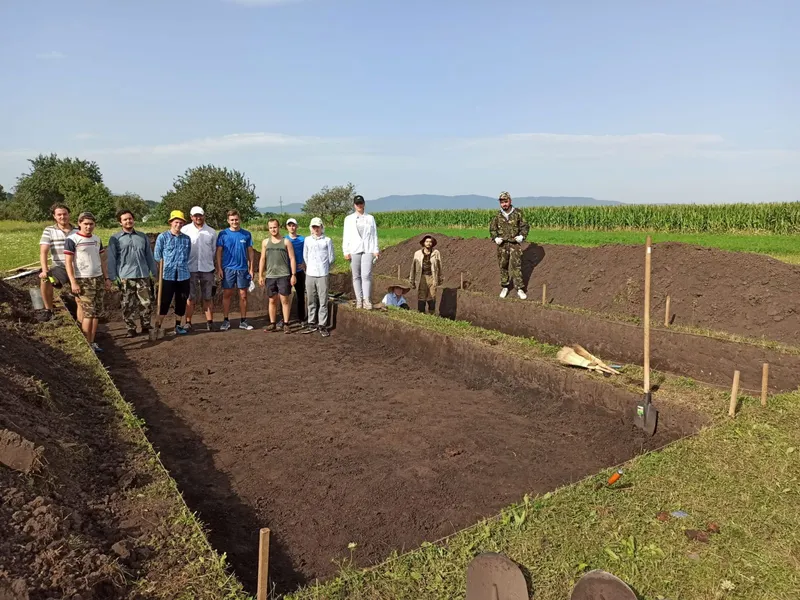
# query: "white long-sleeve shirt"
[318,255]
[355,243]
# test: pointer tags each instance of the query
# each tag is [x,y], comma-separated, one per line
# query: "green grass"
[19,241]
[742,474]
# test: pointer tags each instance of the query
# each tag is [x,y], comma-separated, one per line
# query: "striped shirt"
[55,237]
[87,250]
[174,250]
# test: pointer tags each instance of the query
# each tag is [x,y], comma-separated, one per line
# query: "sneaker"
[366,305]
[286,329]
[96,348]
[358,303]
[504,292]
[188,326]
[522,295]
[310,328]
[131,333]
[270,328]
[42,316]
[225,325]
[209,325]
[180,330]
[243,324]
[324,332]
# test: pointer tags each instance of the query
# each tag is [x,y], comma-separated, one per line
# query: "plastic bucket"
[36,298]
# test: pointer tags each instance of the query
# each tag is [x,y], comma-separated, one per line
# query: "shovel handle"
[648,254]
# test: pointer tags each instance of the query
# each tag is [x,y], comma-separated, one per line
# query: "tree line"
[79,184]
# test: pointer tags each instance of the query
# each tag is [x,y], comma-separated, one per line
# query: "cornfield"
[777,218]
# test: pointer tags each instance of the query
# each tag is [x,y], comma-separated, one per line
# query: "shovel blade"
[646,417]
[160,333]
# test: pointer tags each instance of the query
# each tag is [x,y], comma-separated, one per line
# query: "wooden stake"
[544,294]
[647,257]
[462,281]
[734,394]
[263,563]
[398,271]
[764,380]
[666,314]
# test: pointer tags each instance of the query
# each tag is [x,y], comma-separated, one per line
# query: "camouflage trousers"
[137,303]
[509,257]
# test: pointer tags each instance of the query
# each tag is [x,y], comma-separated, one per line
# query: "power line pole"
[281,203]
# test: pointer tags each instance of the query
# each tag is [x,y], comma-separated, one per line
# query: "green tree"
[331,203]
[75,182]
[216,189]
[132,202]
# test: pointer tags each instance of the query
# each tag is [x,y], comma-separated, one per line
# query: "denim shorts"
[233,278]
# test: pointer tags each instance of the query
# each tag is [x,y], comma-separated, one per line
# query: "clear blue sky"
[636,101]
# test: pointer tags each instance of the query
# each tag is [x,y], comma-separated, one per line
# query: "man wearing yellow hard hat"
[172,253]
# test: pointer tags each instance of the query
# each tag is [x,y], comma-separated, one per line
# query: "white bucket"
[36,298]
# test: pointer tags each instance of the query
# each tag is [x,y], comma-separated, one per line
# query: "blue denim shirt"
[174,250]
[130,256]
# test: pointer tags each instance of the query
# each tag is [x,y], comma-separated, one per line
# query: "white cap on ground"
[316,222]
[196,210]
[288,221]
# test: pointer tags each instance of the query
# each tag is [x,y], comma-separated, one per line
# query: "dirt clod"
[18,453]
[698,536]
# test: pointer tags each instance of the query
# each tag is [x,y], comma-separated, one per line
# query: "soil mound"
[737,292]
[76,519]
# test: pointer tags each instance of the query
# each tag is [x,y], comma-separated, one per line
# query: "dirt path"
[334,441]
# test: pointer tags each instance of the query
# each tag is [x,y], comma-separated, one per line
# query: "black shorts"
[279,285]
[58,273]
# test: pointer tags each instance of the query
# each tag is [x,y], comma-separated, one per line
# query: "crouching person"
[88,275]
[318,258]
[396,296]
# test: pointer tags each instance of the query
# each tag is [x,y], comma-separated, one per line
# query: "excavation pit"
[385,434]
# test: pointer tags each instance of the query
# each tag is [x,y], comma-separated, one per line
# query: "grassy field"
[19,241]
[742,475]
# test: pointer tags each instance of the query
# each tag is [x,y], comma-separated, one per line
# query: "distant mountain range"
[436,202]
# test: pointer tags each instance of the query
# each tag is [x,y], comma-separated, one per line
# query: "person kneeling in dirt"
[277,255]
[130,259]
[52,242]
[87,274]
[426,274]
[172,251]
[396,297]
[318,257]
[509,229]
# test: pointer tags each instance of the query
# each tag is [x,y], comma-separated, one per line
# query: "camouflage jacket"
[511,228]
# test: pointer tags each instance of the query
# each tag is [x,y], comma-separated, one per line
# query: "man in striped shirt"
[52,243]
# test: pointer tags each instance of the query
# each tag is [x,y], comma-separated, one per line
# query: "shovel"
[157,333]
[581,351]
[492,576]
[646,417]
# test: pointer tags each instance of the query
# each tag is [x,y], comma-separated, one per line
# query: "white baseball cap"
[196,210]
[316,222]
[291,221]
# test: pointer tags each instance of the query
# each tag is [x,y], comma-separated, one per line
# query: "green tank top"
[277,259]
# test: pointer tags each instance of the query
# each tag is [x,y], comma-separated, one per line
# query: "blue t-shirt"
[234,248]
[298,244]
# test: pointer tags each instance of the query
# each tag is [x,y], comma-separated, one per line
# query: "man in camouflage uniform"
[130,259]
[508,230]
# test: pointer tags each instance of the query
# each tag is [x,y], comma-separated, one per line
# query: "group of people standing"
[191,257]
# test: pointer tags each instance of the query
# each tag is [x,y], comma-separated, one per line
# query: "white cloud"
[229,142]
[52,55]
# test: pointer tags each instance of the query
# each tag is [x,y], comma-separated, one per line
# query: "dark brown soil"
[347,439]
[737,292]
[76,526]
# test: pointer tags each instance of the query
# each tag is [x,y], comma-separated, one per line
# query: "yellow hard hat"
[176,214]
